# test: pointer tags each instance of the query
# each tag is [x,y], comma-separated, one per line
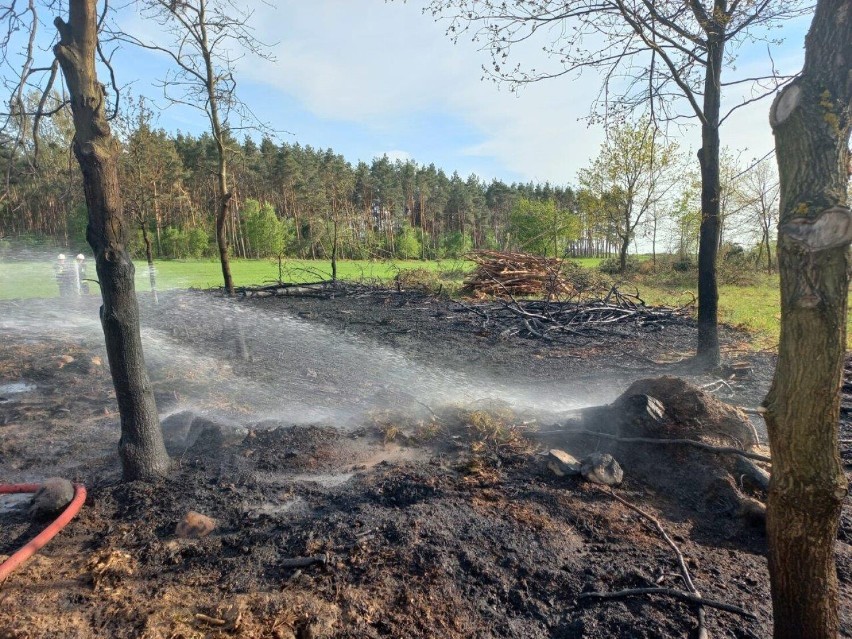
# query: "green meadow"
[30,279]
[753,307]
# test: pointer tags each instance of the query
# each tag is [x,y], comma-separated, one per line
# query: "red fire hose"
[45,535]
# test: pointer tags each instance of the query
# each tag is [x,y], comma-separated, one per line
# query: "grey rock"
[561,463]
[175,429]
[186,430]
[601,468]
[52,498]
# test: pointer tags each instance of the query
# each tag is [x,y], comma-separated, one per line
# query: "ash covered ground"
[391,439]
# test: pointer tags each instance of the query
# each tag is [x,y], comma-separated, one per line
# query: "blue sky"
[366,77]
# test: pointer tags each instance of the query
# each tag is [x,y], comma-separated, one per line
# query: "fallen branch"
[542,318]
[212,621]
[673,442]
[303,562]
[684,571]
[670,592]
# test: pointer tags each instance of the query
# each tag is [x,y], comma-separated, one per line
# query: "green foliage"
[197,242]
[612,266]
[541,227]
[136,245]
[456,244]
[264,231]
[78,222]
[172,241]
[633,173]
[408,246]
[179,244]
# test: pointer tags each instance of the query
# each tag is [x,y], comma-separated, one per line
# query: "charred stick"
[684,571]
[675,442]
[670,592]
[302,562]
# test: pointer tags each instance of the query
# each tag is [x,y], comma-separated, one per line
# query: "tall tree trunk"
[152,277]
[143,454]
[708,244]
[622,254]
[654,244]
[811,122]
[223,195]
[768,251]
[334,252]
[157,220]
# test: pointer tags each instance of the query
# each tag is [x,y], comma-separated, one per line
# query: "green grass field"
[753,307]
[23,280]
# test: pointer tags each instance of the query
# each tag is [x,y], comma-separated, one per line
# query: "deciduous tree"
[143,454]
[811,122]
[633,173]
[668,56]
[206,36]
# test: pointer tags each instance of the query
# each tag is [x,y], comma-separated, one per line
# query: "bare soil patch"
[415,518]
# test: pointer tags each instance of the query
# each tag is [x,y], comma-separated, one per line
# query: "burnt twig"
[670,592]
[303,562]
[675,442]
[684,571]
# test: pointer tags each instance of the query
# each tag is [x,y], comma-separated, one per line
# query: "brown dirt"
[432,521]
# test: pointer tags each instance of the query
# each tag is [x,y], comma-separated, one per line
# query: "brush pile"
[549,319]
[516,275]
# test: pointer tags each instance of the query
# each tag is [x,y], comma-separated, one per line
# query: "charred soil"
[411,518]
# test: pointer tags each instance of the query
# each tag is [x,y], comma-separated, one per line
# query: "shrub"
[684,264]
[197,242]
[264,230]
[408,245]
[585,280]
[456,244]
[612,266]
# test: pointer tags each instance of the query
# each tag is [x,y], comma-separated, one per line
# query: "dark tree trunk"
[222,242]
[143,455]
[622,254]
[810,120]
[223,195]
[768,252]
[152,277]
[708,241]
[334,254]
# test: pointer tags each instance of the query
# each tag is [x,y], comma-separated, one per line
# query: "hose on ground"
[39,541]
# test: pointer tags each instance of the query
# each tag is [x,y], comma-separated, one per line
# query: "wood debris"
[549,319]
[516,274]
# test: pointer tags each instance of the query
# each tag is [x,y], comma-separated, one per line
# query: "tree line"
[667,58]
[293,200]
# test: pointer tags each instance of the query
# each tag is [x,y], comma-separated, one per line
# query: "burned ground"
[417,517]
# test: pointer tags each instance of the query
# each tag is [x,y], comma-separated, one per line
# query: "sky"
[369,77]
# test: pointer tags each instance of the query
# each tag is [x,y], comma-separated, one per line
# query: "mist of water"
[302,372]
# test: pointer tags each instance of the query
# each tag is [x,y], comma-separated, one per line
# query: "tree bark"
[810,120]
[143,454]
[708,243]
[223,195]
[149,255]
[334,253]
[622,254]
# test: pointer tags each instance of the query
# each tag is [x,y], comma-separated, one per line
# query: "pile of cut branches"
[516,274]
[547,319]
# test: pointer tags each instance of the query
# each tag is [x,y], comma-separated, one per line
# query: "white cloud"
[375,64]
[396,154]
[379,64]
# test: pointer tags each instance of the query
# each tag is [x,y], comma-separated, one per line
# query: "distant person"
[64,276]
[80,275]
